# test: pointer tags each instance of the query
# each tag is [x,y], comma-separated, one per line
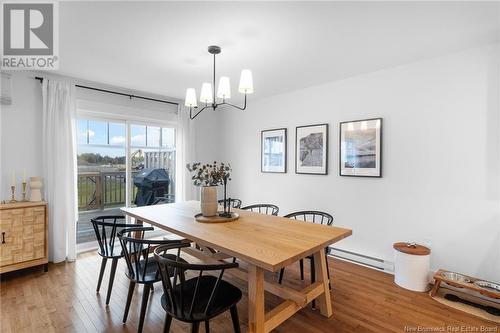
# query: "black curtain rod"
[118,93]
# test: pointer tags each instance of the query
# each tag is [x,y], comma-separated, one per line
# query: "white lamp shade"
[246,82]
[206,93]
[224,90]
[190,98]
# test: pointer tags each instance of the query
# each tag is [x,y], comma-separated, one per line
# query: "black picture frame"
[285,151]
[326,142]
[379,156]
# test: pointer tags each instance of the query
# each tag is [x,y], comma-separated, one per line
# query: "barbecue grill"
[152,186]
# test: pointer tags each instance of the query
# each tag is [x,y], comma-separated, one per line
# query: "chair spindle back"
[312,216]
[268,209]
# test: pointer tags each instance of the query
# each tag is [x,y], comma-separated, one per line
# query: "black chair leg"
[101,273]
[301,264]
[207,326]
[280,279]
[234,317]
[168,321]
[313,279]
[111,278]
[144,305]
[129,299]
[195,327]
[182,277]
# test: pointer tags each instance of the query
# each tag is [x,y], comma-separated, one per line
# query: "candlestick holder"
[24,191]
[13,194]
[227,209]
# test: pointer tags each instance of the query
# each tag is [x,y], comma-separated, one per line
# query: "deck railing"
[88,196]
[99,190]
[105,189]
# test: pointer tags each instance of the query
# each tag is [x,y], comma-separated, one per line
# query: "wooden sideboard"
[23,235]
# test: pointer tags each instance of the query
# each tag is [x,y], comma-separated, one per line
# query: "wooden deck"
[84,230]
[64,300]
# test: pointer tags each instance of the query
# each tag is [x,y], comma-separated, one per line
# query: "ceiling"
[160,47]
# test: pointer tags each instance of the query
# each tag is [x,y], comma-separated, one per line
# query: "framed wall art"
[311,149]
[361,148]
[273,150]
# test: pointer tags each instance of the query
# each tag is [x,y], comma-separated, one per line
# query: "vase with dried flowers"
[208,177]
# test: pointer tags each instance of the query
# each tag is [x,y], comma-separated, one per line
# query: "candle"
[13,178]
[24,175]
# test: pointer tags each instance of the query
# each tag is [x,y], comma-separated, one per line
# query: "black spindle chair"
[106,229]
[314,217]
[141,266]
[268,209]
[235,203]
[200,298]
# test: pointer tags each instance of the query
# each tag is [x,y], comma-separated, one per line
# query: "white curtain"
[185,154]
[59,164]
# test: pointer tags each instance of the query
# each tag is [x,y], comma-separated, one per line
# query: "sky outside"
[91,132]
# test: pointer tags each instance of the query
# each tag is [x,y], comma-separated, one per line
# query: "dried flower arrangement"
[210,174]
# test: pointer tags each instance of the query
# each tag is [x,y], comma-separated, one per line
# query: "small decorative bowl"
[455,277]
[488,285]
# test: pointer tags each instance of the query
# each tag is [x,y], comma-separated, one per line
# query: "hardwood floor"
[64,300]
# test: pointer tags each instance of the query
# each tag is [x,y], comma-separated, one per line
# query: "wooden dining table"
[265,243]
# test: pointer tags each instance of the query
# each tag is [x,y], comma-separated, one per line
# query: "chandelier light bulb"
[246,82]
[190,98]
[206,93]
[224,90]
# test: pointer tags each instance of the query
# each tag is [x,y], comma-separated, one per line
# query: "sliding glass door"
[101,160]
[152,162]
[121,163]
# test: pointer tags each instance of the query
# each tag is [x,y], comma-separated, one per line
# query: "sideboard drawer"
[23,235]
[12,231]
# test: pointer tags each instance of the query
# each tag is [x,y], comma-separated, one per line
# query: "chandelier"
[208,96]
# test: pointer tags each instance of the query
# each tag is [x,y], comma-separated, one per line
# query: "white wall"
[440,158]
[21,133]
[207,136]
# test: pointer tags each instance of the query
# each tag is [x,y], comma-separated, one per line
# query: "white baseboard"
[363,260]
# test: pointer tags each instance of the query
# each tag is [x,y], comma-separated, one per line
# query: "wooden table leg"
[137,234]
[435,288]
[324,303]
[256,311]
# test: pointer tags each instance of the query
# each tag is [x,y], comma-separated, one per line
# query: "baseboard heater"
[362,259]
